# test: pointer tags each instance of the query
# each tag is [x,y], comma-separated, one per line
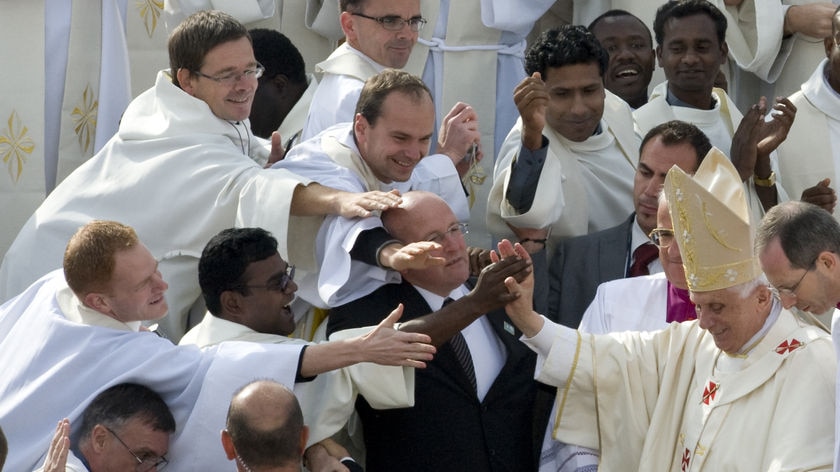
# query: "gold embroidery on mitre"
[15,145]
[84,119]
[149,11]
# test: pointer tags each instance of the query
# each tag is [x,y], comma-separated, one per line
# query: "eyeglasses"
[437,237]
[143,465]
[396,23]
[662,237]
[233,78]
[280,284]
[791,292]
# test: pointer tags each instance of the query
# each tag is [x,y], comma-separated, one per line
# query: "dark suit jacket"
[581,264]
[449,429]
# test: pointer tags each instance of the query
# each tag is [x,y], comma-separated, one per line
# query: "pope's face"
[230,102]
[730,318]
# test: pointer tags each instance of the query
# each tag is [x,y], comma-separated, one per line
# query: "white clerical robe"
[583,187]
[332,159]
[808,155]
[330,399]
[671,400]
[54,365]
[633,304]
[292,126]
[719,125]
[344,75]
[178,175]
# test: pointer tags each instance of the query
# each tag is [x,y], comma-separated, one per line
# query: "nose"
[654,186]
[705,321]
[690,57]
[159,282]
[624,54]
[788,299]
[291,287]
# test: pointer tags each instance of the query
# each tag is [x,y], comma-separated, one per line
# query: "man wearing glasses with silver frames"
[126,427]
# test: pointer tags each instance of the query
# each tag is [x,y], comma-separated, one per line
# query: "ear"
[828,44]
[185,80]
[280,81]
[348,25]
[227,445]
[231,302]
[98,302]
[360,127]
[304,436]
[658,51]
[765,298]
[98,438]
[828,259]
[724,48]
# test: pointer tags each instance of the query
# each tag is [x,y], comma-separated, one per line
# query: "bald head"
[265,426]
[403,222]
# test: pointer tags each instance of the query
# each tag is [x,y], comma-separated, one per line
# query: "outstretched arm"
[382,345]
[520,309]
[490,293]
[315,199]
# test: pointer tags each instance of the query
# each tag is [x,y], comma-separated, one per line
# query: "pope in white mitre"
[747,386]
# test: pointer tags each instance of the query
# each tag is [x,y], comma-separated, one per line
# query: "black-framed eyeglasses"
[662,237]
[143,465]
[278,285]
[438,237]
[396,23]
[232,78]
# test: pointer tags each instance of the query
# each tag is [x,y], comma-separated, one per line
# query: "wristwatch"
[768,182]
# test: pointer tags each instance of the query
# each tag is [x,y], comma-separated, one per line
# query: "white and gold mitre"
[712,224]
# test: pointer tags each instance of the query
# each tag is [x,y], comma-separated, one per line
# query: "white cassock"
[809,154]
[719,125]
[292,126]
[583,187]
[633,304]
[332,159]
[329,400]
[66,82]
[178,175]
[57,355]
[344,74]
[671,400]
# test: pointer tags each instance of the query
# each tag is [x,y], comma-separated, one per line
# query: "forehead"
[693,27]
[394,113]
[230,54]
[660,157]
[133,264]
[386,7]
[573,75]
[620,27]
[722,296]
[260,271]
[430,216]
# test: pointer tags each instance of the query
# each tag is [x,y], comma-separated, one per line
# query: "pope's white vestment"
[332,159]
[330,399]
[177,174]
[671,400]
[57,355]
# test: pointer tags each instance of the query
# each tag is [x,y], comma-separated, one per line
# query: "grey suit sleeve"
[525,175]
